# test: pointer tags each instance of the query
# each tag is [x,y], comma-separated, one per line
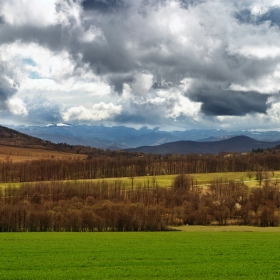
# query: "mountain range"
[238,144]
[233,144]
[121,137]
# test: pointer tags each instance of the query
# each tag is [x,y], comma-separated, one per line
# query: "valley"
[89,189]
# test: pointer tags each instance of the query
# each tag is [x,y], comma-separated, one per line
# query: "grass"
[195,254]
[167,180]
[226,229]
[200,178]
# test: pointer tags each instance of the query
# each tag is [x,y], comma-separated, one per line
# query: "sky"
[185,64]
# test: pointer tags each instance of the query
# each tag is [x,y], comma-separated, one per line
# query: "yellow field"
[226,229]
[202,179]
[138,182]
[16,154]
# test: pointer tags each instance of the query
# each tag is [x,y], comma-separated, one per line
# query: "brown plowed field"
[15,154]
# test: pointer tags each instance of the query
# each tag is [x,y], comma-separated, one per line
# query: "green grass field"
[190,254]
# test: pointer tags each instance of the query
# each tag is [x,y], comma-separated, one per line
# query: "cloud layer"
[167,63]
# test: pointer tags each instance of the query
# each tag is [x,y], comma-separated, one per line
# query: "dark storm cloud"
[197,40]
[118,81]
[105,55]
[109,53]
[217,102]
[108,57]
[5,93]
[104,6]
[54,37]
[272,16]
[6,89]
[245,16]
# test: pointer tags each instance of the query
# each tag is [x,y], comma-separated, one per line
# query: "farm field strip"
[199,178]
[228,228]
[139,182]
[140,255]
[17,154]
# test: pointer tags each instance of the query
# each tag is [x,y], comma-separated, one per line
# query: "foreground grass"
[145,255]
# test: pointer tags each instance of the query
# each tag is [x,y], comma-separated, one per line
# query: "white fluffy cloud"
[19,12]
[17,106]
[98,112]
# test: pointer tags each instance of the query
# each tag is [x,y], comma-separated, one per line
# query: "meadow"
[190,254]
[139,182]
[202,179]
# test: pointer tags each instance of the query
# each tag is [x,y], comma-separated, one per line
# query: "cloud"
[218,99]
[150,62]
[98,112]
[17,106]
[119,80]
[104,6]
[231,103]
[42,110]
[20,12]
[9,82]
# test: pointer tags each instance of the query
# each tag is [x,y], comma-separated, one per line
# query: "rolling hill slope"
[235,144]
[10,137]
[13,138]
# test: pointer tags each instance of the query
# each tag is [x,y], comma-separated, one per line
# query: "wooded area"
[103,206]
[81,205]
[117,166]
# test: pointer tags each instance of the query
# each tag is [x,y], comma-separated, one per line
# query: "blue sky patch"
[34,75]
[29,61]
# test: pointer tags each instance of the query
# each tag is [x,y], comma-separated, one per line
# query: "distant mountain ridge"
[238,144]
[121,137]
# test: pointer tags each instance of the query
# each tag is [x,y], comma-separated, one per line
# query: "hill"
[12,138]
[121,137]
[235,144]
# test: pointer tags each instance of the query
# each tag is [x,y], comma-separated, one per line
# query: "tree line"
[117,165]
[104,206]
